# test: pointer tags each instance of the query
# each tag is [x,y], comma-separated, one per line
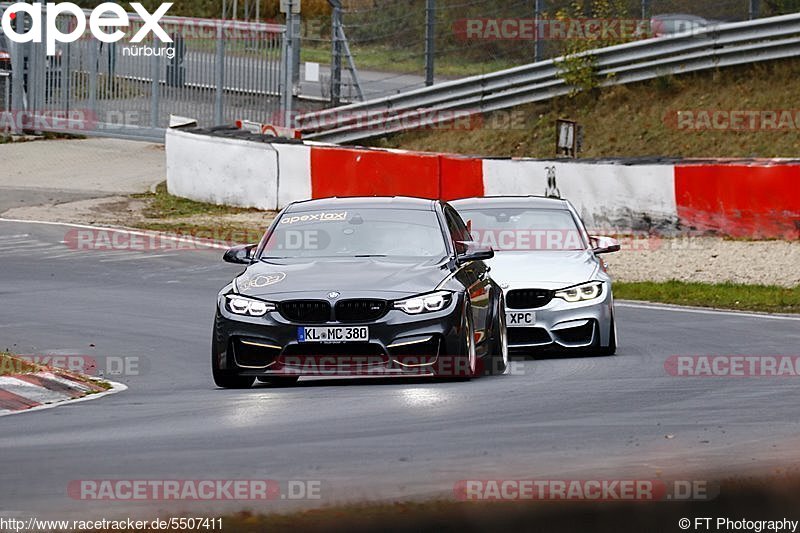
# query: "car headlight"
[425,303]
[582,292]
[240,305]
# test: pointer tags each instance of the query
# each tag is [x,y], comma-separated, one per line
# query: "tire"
[228,379]
[279,381]
[611,349]
[497,358]
[466,353]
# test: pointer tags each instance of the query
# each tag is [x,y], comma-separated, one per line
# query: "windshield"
[521,229]
[357,233]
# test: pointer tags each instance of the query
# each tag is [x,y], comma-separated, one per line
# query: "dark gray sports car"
[360,287]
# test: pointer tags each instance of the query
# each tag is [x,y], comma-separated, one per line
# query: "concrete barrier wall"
[607,195]
[222,171]
[742,199]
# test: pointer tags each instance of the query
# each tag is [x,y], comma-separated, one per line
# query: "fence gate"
[214,71]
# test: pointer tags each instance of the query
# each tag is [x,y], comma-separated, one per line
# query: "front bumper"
[566,325]
[399,345]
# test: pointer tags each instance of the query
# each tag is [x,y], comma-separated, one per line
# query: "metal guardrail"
[718,46]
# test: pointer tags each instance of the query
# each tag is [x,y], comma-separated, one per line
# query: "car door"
[475,276]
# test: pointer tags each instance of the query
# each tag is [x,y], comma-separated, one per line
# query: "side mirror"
[240,255]
[604,245]
[472,252]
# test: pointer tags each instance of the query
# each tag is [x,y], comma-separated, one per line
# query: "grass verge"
[161,204]
[171,214]
[388,60]
[14,365]
[635,120]
[761,298]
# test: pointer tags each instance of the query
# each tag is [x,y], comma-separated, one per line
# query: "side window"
[458,230]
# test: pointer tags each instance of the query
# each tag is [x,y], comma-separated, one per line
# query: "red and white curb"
[43,390]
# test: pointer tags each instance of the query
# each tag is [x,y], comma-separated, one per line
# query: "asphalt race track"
[556,418]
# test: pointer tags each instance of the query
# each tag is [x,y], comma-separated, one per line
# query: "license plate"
[333,334]
[520,318]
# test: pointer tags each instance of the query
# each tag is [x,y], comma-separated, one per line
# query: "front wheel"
[611,349]
[462,365]
[228,379]
[497,358]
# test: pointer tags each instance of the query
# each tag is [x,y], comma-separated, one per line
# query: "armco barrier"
[759,199]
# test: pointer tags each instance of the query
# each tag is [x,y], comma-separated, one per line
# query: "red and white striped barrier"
[758,199]
[21,392]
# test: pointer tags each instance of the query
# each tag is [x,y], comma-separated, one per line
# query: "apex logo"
[107,15]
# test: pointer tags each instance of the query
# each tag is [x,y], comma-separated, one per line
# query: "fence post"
[155,90]
[17,87]
[755,9]
[430,40]
[288,85]
[219,67]
[537,36]
[645,9]
[336,55]
[93,58]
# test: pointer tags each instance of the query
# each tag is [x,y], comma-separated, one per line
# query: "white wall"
[608,196]
[294,177]
[222,171]
[253,174]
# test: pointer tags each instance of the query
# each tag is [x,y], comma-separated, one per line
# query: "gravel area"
[708,260]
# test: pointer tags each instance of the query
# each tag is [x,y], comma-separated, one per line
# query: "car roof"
[355,202]
[530,202]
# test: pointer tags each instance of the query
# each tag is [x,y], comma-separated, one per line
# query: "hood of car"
[543,269]
[349,277]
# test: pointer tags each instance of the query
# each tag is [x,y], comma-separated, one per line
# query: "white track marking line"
[28,246]
[141,233]
[16,242]
[130,256]
[702,311]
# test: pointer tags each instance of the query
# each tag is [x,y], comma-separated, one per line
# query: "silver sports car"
[557,290]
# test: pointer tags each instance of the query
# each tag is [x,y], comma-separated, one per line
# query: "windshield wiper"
[371,255]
